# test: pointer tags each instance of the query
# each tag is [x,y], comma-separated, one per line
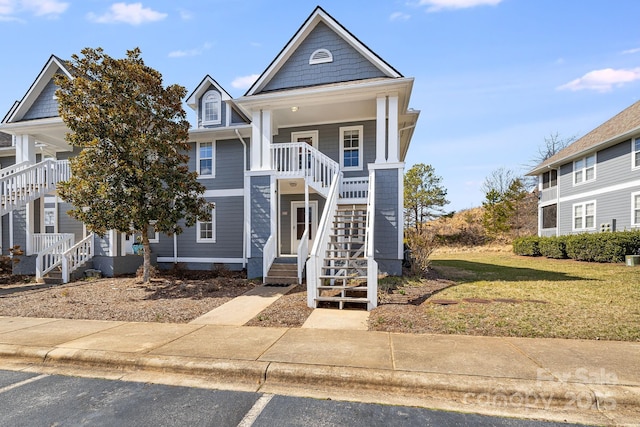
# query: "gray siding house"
[304,171]
[593,184]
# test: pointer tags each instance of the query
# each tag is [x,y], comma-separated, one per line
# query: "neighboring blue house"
[304,170]
[594,184]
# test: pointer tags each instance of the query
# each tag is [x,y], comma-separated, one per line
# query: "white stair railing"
[300,160]
[354,188]
[303,253]
[314,263]
[42,241]
[372,265]
[51,257]
[28,182]
[13,168]
[76,256]
[268,255]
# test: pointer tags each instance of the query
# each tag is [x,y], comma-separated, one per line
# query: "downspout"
[244,204]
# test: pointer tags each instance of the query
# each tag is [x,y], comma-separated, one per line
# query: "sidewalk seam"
[173,340]
[525,354]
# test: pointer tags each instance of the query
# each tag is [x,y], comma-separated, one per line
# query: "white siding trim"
[603,190]
[232,192]
[201,260]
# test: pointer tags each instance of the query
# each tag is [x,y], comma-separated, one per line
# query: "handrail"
[51,257]
[13,168]
[372,265]
[303,253]
[42,241]
[76,256]
[314,263]
[29,182]
[299,159]
[268,255]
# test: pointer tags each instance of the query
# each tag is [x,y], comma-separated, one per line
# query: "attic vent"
[320,56]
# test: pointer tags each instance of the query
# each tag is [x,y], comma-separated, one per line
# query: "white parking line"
[21,383]
[255,410]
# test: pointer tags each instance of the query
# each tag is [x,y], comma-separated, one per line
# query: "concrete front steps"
[283,271]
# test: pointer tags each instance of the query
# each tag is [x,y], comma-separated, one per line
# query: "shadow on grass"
[468,271]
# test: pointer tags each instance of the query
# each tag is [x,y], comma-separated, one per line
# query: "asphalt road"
[31,399]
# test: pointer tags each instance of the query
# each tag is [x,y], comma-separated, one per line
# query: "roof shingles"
[619,125]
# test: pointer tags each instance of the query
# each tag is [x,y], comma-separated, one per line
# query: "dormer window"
[320,56]
[211,103]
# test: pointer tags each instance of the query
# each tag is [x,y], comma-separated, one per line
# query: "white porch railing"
[300,160]
[42,241]
[314,263]
[51,257]
[268,255]
[372,265]
[76,256]
[303,253]
[354,188]
[29,182]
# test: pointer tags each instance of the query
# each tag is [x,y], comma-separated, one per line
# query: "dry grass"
[501,294]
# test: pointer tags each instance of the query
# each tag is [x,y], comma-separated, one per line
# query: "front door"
[298,223]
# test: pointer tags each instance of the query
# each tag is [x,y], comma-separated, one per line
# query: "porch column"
[381,129]
[266,140]
[25,149]
[394,143]
[256,139]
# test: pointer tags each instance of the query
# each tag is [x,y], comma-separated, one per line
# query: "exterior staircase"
[283,271]
[343,275]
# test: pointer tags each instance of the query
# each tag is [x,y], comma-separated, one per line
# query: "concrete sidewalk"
[596,382]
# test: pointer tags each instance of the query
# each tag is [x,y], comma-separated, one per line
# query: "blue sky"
[493,78]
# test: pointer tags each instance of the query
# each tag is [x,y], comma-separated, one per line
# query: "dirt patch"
[172,297]
[289,311]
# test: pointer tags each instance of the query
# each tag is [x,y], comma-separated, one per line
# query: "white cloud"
[602,80]
[47,8]
[399,16]
[185,15]
[190,52]
[631,51]
[133,13]
[437,5]
[244,82]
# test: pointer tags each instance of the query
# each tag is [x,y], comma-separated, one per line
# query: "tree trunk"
[146,265]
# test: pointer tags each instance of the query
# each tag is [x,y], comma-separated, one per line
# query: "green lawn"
[556,298]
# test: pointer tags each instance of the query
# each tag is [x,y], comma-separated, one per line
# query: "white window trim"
[219,102]
[634,209]
[320,56]
[360,129]
[213,159]
[213,228]
[584,210]
[584,170]
[634,153]
[156,238]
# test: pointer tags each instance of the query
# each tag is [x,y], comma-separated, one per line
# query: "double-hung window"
[584,216]
[584,170]
[635,209]
[636,153]
[211,105]
[351,142]
[205,159]
[550,179]
[206,230]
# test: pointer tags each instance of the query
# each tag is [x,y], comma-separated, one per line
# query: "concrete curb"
[469,391]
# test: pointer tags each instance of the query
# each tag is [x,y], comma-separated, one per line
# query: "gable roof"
[17,112]
[202,88]
[317,16]
[618,128]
